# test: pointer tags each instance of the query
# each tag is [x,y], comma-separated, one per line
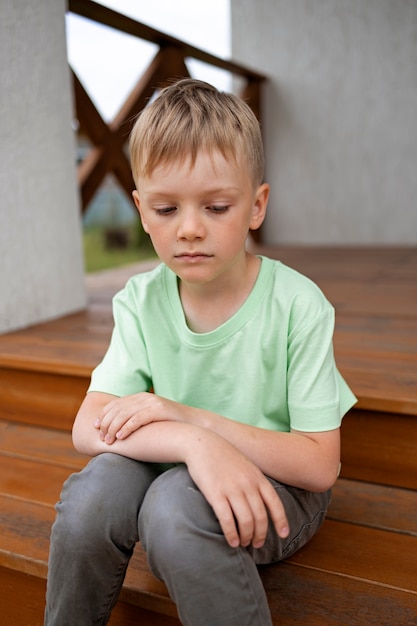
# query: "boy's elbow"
[326,485]
[78,442]
[81,443]
[327,478]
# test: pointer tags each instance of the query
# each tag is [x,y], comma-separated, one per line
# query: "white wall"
[340,116]
[41,266]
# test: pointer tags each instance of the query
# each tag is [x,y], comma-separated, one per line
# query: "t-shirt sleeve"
[124,369]
[318,396]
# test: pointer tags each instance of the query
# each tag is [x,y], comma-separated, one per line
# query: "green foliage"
[99,256]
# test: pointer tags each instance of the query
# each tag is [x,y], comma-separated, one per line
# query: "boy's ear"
[259,206]
[136,200]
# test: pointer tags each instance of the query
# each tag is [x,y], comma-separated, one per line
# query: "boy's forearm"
[293,458]
[158,442]
[306,461]
[156,446]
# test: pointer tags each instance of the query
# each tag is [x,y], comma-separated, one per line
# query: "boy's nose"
[191,226]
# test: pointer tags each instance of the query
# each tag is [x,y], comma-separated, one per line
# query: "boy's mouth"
[193,256]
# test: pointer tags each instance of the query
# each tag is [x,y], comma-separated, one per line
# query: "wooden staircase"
[361,568]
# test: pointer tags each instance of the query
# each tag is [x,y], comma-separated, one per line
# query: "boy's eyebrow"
[208,191]
[219,190]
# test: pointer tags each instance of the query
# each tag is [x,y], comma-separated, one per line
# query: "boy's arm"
[306,460]
[241,496]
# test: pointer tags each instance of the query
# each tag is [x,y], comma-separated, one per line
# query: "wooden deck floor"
[374,291]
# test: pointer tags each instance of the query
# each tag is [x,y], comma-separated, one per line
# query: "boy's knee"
[95,486]
[102,500]
[175,516]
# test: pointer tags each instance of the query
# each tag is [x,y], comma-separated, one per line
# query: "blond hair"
[190,116]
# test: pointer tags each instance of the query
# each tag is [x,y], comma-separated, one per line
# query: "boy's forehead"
[210,173]
[217,157]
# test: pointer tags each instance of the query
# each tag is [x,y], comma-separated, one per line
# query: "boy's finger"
[276,511]
[227,522]
[244,516]
[261,521]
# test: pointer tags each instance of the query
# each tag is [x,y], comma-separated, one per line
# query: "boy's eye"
[165,210]
[218,208]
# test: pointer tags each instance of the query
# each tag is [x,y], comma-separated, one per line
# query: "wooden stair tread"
[298,595]
[32,480]
[363,334]
[380,448]
[376,506]
[363,553]
[371,299]
[31,397]
[39,444]
[72,344]
[24,535]
[384,391]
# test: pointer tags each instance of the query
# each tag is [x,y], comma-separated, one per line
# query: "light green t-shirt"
[270,365]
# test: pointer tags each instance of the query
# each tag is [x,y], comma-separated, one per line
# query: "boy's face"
[198,216]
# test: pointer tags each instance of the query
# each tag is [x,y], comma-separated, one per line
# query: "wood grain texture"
[380,447]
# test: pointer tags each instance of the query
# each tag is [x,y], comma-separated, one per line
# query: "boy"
[229,462]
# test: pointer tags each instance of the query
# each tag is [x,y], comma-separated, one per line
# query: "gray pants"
[114,501]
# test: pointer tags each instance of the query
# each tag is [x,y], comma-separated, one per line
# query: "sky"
[109,63]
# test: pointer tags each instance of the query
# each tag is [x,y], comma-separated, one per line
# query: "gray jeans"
[114,501]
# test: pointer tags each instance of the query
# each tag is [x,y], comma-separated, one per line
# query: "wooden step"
[380,447]
[360,566]
[375,506]
[41,398]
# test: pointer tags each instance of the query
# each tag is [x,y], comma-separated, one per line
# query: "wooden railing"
[108,140]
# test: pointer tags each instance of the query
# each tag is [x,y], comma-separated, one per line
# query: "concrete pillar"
[41,264]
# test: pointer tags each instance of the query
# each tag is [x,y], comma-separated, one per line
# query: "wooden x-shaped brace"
[108,152]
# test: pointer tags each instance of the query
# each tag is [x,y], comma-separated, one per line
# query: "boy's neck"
[206,307]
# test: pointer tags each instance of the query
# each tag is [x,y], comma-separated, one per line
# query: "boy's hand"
[123,416]
[241,496]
